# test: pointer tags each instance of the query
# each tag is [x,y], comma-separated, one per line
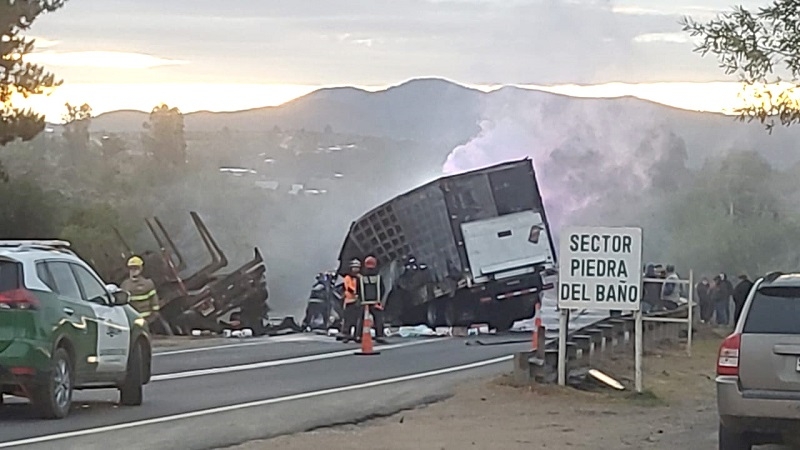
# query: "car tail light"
[18,299]
[728,358]
[23,371]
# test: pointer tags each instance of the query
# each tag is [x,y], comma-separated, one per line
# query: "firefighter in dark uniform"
[370,292]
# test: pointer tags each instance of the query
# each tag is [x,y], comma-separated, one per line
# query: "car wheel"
[130,393]
[729,440]
[54,398]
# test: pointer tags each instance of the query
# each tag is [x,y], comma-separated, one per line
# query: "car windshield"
[774,310]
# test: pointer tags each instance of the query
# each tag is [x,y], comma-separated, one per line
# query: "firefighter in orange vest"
[351,305]
[370,292]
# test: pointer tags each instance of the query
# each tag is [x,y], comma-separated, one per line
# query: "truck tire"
[130,393]
[450,314]
[432,315]
[502,324]
[729,440]
[502,317]
[53,399]
[441,313]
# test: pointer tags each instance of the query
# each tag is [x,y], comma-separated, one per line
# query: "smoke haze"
[595,164]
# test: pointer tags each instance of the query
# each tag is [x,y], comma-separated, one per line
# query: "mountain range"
[435,110]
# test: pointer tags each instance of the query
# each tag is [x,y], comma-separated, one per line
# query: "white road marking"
[259,341]
[279,362]
[255,404]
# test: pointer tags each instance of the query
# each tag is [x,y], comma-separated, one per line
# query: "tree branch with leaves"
[77,121]
[758,46]
[18,77]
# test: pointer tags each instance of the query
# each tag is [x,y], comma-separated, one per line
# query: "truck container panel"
[462,232]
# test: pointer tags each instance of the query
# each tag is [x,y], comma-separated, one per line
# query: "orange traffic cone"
[537,324]
[366,335]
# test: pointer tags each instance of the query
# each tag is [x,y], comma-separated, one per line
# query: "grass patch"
[645,398]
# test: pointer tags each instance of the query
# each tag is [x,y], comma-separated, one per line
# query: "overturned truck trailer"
[208,298]
[468,248]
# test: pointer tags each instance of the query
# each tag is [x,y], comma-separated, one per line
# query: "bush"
[28,212]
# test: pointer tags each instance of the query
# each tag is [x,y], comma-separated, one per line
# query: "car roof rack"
[21,244]
[772,276]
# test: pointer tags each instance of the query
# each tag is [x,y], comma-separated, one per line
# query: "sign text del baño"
[600,268]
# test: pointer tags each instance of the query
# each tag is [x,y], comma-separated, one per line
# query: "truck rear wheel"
[441,313]
[502,318]
[432,315]
[501,325]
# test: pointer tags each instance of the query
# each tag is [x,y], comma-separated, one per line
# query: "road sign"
[600,268]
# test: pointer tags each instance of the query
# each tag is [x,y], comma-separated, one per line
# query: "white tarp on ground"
[419,330]
[549,315]
[425,331]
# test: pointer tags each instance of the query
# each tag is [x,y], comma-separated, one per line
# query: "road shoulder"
[677,411]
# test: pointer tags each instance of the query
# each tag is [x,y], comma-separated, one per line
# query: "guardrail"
[597,337]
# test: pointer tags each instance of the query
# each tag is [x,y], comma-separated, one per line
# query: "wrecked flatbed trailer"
[204,299]
[467,248]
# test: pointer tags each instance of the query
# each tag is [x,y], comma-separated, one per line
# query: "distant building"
[268,184]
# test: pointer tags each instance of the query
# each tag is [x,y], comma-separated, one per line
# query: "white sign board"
[600,268]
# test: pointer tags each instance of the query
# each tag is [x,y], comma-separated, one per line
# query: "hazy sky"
[373,42]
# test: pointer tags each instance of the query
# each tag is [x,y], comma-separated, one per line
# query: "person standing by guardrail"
[740,293]
[721,295]
[651,290]
[670,291]
[703,290]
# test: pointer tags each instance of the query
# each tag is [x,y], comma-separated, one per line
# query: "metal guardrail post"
[638,351]
[691,315]
[563,324]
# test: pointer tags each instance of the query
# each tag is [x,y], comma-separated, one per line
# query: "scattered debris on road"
[605,379]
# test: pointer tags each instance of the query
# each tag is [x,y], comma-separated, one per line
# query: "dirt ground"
[677,410]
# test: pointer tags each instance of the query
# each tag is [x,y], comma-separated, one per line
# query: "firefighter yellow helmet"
[135,261]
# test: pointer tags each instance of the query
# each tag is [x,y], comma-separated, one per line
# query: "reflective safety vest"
[350,289]
[371,289]
[144,297]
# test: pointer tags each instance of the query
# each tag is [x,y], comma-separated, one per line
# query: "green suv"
[62,328]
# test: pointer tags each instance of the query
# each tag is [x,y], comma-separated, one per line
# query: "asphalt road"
[211,397]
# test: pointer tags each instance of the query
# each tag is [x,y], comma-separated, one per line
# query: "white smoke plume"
[595,164]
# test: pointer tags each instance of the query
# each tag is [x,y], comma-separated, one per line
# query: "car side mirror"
[121,298]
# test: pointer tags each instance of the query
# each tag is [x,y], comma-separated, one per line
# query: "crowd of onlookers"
[663,290]
[715,297]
